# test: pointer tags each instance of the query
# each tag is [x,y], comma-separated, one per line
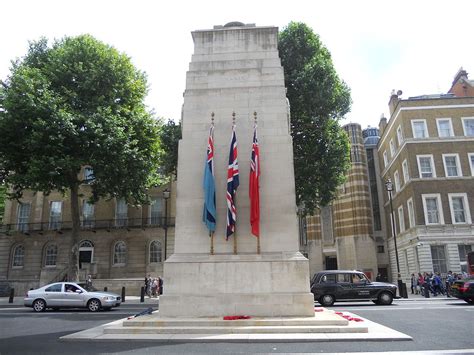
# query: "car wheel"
[93,305]
[376,301]
[39,305]
[327,300]
[385,298]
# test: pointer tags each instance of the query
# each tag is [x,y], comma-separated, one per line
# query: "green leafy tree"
[170,134]
[77,103]
[318,100]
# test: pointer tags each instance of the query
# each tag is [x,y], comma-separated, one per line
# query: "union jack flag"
[254,193]
[232,184]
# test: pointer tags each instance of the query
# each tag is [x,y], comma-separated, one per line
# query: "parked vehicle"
[464,290]
[350,285]
[69,295]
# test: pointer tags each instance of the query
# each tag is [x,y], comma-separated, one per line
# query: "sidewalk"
[419,297]
[18,301]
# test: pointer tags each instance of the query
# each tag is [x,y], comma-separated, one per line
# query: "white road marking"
[417,352]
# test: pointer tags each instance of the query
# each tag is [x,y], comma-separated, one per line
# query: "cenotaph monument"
[235,72]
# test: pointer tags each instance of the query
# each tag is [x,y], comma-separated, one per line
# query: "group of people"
[153,286]
[433,283]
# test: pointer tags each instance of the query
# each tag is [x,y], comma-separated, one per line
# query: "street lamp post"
[166,196]
[389,187]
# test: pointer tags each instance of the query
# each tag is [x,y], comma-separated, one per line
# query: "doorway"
[86,252]
[331,263]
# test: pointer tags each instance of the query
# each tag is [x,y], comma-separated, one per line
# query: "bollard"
[12,295]
[123,294]
[105,289]
[142,294]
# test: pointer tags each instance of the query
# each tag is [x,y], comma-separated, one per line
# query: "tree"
[77,103]
[170,134]
[318,99]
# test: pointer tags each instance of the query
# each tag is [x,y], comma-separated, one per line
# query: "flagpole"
[235,202]
[211,233]
[212,242]
[255,127]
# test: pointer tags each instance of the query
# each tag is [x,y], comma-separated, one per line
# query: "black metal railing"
[89,224]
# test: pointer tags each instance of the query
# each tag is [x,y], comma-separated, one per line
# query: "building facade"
[427,150]
[340,236]
[117,241]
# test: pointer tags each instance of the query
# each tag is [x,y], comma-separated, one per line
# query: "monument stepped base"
[323,326]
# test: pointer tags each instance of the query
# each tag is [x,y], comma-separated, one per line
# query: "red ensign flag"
[254,193]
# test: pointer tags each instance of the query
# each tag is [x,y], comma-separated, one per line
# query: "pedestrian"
[449,282]
[154,287]
[147,285]
[89,282]
[437,284]
[413,283]
[160,285]
[378,278]
[420,283]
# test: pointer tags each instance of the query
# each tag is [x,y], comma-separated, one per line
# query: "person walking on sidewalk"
[449,282]
[413,283]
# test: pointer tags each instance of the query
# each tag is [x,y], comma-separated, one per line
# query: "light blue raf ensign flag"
[209,211]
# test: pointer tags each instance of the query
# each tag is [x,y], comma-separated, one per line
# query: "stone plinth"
[236,69]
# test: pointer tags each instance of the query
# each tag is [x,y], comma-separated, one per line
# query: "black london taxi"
[464,289]
[330,286]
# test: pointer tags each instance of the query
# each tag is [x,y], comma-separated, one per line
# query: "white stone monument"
[236,68]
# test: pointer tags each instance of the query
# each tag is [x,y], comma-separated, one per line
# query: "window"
[468,124]
[343,278]
[121,213]
[155,252]
[380,249]
[120,253]
[51,255]
[419,129]
[18,256]
[426,166]
[471,162]
[399,136]
[397,181]
[459,208]
[392,148]
[87,215]
[385,158]
[411,213]
[88,175]
[433,209]
[406,175]
[445,127]
[156,211]
[330,278]
[452,168]
[55,214]
[401,219]
[54,288]
[23,216]
[438,256]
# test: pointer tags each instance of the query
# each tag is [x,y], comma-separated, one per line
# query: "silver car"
[70,295]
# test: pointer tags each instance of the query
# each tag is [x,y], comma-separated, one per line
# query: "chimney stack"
[382,124]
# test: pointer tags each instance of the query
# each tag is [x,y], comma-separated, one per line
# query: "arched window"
[120,253]
[18,256]
[51,255]
[155,252]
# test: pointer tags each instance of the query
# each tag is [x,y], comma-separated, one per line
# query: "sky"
[377,46]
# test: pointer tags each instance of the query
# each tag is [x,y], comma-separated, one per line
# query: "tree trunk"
[73,272]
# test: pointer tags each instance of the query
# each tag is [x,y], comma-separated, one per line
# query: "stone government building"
[426,148]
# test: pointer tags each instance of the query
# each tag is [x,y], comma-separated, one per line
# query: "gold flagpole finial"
[212,118]
[255,116]
[233,117]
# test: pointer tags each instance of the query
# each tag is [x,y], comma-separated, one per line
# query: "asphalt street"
[433,324]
